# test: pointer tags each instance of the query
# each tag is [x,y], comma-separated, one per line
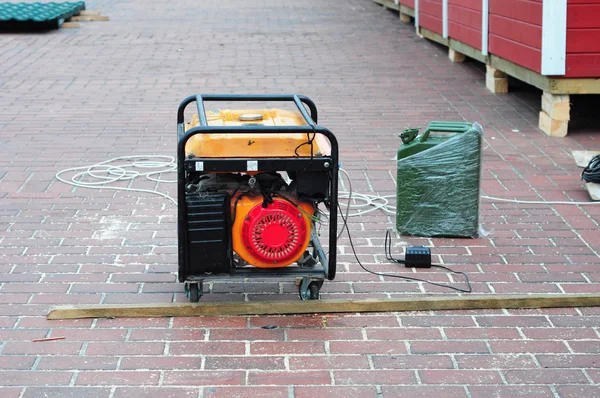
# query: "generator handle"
[298,100]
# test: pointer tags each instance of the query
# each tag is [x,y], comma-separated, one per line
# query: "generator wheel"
[195,292]
[311,292]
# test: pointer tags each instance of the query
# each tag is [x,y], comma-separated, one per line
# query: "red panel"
[522,32]
[465,34]
[431,7]
[470,4]
[518,53]
[583,15]
[432,23]
[409,3]
[583,65]
[529,11]
[464,16]
[583,41]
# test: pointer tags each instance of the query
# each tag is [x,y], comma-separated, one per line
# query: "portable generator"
[249,185]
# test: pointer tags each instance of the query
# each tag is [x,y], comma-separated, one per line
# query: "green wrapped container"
[439,174]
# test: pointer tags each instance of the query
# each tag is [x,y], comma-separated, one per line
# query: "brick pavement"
[80,96]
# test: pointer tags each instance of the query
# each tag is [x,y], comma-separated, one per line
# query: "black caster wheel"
[311,292]
[194,291]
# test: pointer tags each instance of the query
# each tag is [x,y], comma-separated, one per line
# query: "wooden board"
[593,189]
[78,18]
[388,4]
[88,12]
[69,25]
[582,158]
[430,303]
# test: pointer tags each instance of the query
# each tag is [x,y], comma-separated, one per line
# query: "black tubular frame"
[310,128]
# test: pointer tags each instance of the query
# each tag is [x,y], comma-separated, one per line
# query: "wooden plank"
[582,158]
[428,34]
[469,51]
[69,25]
[455,56]
[430,303]
[388,4]
[593,189]
[87,18]
[576,85]
[407,10]
[88,12]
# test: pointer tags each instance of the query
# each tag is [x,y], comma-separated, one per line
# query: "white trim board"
[554,37]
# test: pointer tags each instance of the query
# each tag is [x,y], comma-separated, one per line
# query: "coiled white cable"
[101,175]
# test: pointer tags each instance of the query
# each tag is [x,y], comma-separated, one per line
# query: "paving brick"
[238,362]
[568,361]
[578,391]
[328,362]
[412,362]
[334,391]
[424,391]
[116,378]
[435,347]
[167,334]
[160,363]
[511,391]
[207,348]
[203,378]
[71,362]
[324,334]
[367,347]
[546,376]
[41,348]
[460,377]
[523,347]
[16,363]
[156,392]
[59,392]
[32,378]
[8,392]
[242,392]
[288,347]
[311,377]
[495,361]
[124,348]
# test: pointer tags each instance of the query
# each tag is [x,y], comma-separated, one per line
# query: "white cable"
[100,175]
[537,202]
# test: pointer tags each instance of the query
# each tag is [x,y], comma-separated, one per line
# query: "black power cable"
[591,173]
[468,290]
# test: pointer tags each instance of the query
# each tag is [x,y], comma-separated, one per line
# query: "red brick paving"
[80,96]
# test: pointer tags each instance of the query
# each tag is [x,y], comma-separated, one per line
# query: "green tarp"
[36,16]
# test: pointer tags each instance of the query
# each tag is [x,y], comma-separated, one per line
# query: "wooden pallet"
[428,303]
[84,16]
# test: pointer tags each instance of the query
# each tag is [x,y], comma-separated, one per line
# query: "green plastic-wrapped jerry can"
[438,175]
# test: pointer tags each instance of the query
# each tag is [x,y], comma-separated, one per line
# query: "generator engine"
[268,223]
[250,186]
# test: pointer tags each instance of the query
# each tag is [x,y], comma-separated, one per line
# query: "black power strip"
[417,257]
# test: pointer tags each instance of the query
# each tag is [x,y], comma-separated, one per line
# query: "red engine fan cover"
[276,235]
